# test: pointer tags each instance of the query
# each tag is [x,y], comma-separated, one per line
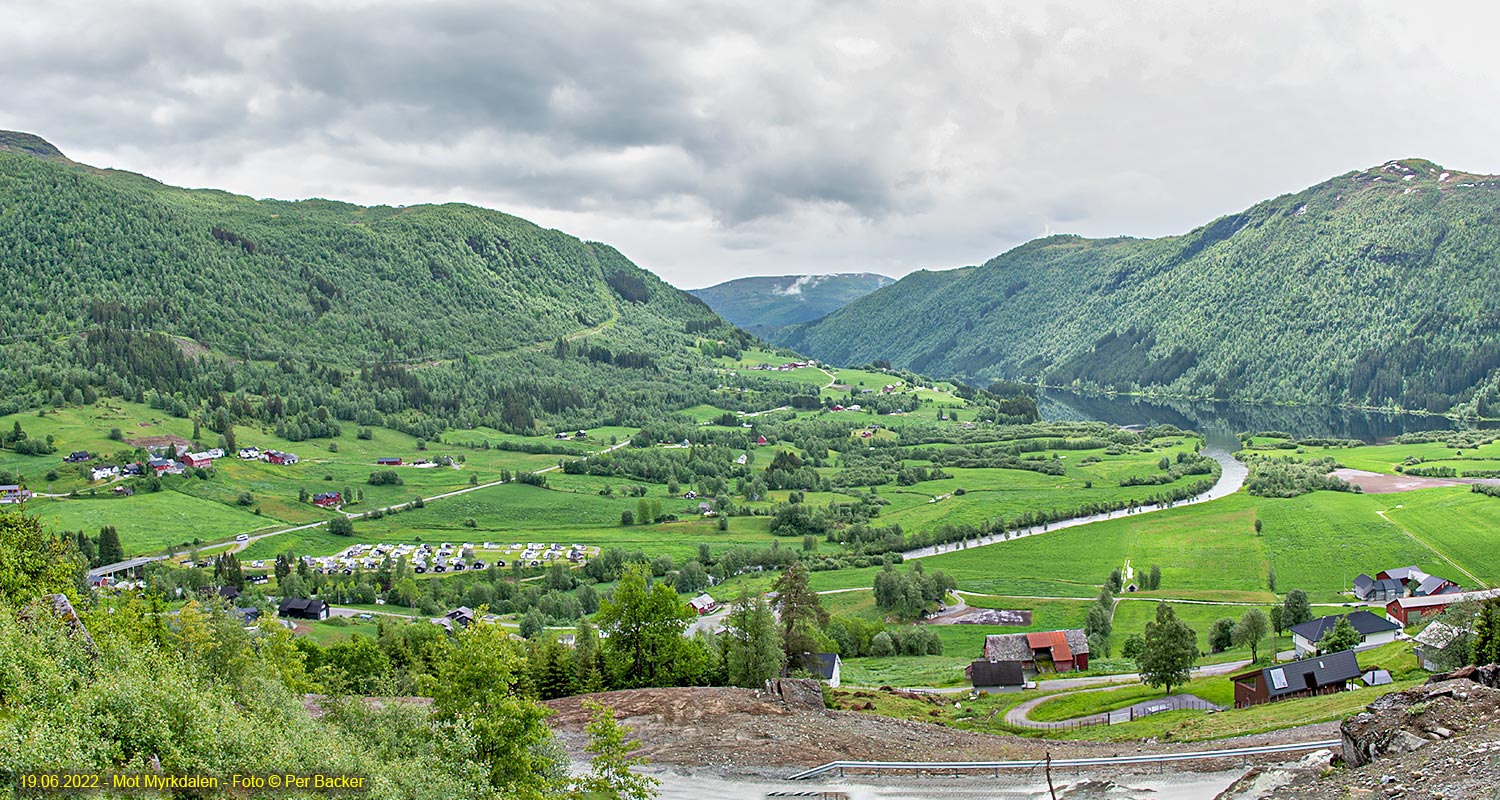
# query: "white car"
[244,537]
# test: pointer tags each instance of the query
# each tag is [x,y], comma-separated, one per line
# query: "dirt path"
[1419,540]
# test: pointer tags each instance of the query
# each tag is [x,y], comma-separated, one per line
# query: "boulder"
[1487,675]
[797,692]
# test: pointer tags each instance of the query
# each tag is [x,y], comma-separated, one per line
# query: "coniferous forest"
[314,313]
[1375,288]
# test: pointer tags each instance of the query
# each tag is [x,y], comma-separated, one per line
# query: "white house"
[101,473]
[826,666]
[1373,631]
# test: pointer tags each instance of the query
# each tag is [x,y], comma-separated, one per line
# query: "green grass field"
[1317,542]
[150,523]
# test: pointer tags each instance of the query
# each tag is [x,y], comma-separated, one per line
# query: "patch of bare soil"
[190,349]
[159,441]
[987,616]
[738,731]
[1377,483]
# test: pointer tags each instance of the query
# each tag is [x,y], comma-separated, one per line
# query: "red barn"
[328,500]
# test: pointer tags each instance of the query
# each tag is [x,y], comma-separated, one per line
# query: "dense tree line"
[1289,477]
[1392,266]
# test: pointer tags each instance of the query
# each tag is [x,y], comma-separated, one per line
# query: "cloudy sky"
[710,140]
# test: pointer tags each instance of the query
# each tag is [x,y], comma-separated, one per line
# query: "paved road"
[1231,477]
[708,622]
[361,515]
[1020,714]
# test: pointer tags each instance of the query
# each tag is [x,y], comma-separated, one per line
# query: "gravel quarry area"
[712,743]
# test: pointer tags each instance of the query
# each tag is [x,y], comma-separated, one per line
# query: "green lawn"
[149,523]
[1218,690]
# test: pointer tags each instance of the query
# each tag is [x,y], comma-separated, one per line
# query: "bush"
[385,477]
[882,646]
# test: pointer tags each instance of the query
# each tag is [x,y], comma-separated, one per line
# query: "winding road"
[1232,476]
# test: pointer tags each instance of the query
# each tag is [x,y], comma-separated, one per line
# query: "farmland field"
[1317,542]
[150,523]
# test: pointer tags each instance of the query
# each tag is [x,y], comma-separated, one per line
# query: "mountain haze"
[762,305]
[1373,288]
[446,314]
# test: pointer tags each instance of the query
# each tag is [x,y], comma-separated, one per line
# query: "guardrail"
[996,766]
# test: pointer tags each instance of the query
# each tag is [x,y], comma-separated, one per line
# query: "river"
[1219,446]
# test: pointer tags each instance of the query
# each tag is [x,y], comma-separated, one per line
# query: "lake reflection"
[1222,417]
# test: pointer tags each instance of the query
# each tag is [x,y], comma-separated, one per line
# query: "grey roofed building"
[1378,589]
[1376,677]
[1433,640]
[1320,675]
[825,665]
[1405,574]
[1433,584]
[1362,621]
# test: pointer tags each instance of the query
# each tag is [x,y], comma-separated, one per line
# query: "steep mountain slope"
[763,304]
[118,284]
[1376,287]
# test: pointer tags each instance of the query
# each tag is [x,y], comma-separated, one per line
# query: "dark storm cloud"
[712,140]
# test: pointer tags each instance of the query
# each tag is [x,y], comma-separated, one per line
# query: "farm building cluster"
[172,459]
[1411,595]
[1013,659]
[449,557]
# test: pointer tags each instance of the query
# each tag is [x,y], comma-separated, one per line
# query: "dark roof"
[228,592]
[1363,621]
[1405,573]
[299,605]
[1362,580]
[820,664]
[996,673]
[1325,670]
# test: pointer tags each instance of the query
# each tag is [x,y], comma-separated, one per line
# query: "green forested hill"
[424,316]
[1377,287]
[763,304]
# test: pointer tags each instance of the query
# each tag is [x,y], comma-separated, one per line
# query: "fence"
[1129,713]
[956,767]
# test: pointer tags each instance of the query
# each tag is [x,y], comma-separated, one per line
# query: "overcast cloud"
[715,140]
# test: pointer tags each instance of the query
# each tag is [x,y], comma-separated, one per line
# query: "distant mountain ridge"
[424,316]
[764,304]
[1374,288]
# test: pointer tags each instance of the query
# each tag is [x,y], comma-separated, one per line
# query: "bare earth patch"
[1377,483]
[158,441]
[746,731]
[989,616]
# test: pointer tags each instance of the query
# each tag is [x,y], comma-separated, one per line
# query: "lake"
[1220,418]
